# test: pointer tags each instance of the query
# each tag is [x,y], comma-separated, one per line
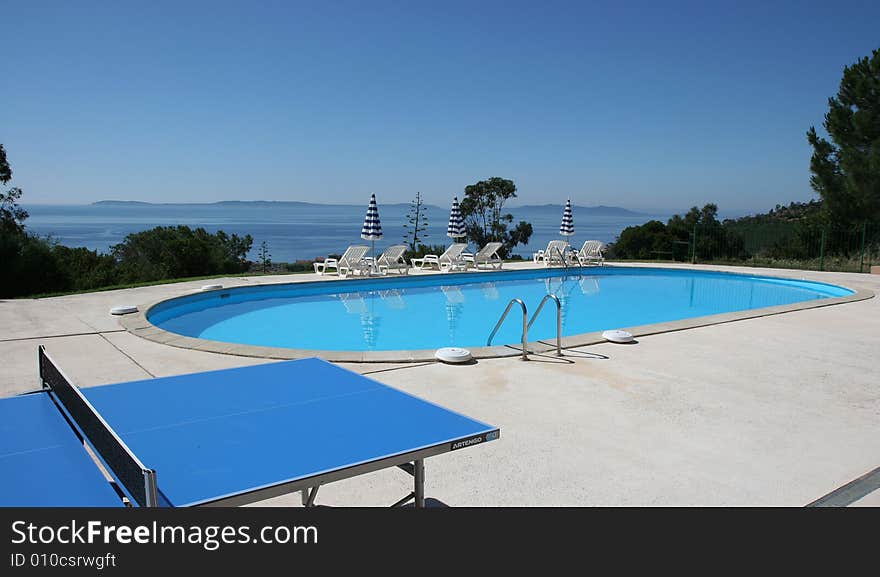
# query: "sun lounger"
[556,253]
[592,252]
[392,260]
[451,259]
[352,260]
[486,257]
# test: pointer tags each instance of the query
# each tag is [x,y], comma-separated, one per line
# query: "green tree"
[85,269]
[674,239]
[483,211]
[264,256]
[846,171]
[418,223]
[713,240]
[643,242]
[5,169]
[12,216]
[34,269]
[26,262]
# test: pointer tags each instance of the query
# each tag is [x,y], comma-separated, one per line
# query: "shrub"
[300,266]
[177,252]
[424,249]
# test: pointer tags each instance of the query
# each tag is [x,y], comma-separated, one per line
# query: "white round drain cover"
[453,355]
[618,336]
[212,287]
[123,310]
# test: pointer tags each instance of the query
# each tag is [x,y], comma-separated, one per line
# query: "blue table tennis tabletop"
[214,435]
[42,462]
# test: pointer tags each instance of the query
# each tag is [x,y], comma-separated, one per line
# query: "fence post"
[822,249]
[862,257]
[694,249]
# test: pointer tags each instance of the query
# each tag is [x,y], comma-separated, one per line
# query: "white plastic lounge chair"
[556,253]
[351,260]
[450,259]
[591,253]
[392,260]
[486,257]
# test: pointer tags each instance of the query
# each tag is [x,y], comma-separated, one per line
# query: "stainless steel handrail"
[525,333]
[558,320]
[566,255]
[561,254]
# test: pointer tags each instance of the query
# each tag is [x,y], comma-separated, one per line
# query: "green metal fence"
[780,245]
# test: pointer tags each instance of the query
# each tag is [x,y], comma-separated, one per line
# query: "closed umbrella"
[372,229]
[567,227]
[456,227]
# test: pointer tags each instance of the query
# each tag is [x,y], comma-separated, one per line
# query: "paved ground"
[779,410]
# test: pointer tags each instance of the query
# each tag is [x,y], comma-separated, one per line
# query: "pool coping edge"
[138,325]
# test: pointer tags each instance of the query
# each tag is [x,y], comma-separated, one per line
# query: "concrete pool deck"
[777,410]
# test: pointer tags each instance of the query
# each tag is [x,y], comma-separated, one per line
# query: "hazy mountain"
[534,208]
[593,210]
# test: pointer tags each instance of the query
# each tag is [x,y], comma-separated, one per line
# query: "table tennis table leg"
[308,496]
[417,470]
[419,476]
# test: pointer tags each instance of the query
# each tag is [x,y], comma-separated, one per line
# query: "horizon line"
[561,205]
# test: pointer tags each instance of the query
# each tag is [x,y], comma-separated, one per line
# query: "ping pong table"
[216,438]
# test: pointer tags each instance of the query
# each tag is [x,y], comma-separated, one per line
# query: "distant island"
[534,208]
[595,210]
[218,203]
[231,203]
[121,203]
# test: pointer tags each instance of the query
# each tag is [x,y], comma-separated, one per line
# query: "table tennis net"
[139,481]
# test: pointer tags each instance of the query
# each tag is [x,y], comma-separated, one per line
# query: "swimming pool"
[427,312]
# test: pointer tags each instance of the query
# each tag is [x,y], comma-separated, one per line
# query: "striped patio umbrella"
[567,226]
[372,229]
[456,222]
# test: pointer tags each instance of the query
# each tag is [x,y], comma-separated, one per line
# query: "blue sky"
[645,105]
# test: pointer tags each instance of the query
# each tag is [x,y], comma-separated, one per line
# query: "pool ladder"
[527,324]
[564,256]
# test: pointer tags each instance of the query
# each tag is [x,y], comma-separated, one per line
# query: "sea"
[305,231]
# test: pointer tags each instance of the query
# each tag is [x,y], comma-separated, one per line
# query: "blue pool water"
[433,311]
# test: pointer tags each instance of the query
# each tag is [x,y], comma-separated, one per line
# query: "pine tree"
[418,223]
[846,171]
